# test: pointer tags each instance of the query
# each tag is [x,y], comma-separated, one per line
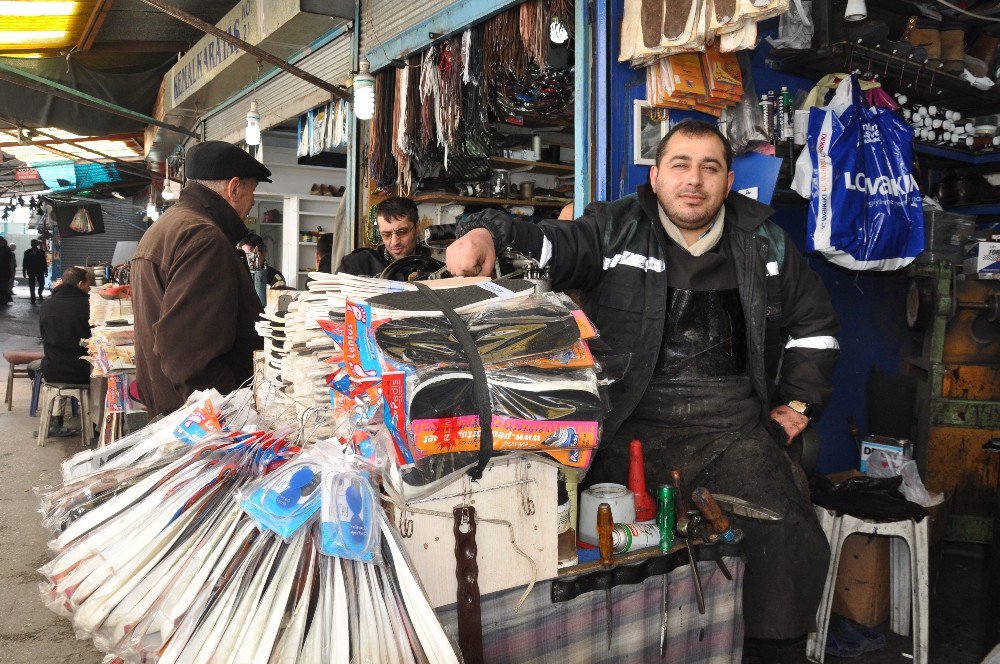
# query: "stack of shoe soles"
[506,335]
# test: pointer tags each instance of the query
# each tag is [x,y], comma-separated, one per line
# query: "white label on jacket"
[818,343]
[635,260]
[772,268]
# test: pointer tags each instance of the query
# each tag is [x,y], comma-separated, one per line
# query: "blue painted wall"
[870,305]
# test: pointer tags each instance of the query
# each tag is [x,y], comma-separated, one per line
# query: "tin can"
[666,518]
[634,536]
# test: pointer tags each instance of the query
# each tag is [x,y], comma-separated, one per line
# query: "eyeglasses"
[402,233]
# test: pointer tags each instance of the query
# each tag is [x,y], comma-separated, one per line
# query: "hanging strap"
[480,389]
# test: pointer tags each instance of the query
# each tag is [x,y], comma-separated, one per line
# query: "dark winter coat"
[33,263]
[194,302]
[366,262]
[615,254]
[63,323]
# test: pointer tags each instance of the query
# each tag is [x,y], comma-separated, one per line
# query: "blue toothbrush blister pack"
[286,499]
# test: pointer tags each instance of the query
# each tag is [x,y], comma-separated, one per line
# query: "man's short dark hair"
[696,128]
[254,241]
[397,207]
[324,244]
[35,244]
[74,276]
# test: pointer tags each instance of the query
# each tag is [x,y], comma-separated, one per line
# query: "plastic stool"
[908,575]
[17,361]
[49,393]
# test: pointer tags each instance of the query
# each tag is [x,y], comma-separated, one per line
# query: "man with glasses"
[398,222]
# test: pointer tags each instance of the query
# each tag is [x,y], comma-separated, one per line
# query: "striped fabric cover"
[576,631]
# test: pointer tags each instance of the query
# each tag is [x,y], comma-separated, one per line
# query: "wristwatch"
[800,407]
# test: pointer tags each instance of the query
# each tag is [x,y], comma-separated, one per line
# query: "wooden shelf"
[470,200]
[315,214]
[543,167]
[915,80]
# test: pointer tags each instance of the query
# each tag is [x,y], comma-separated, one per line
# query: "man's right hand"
[472,255]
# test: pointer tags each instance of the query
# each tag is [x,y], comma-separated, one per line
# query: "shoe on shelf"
[316,190]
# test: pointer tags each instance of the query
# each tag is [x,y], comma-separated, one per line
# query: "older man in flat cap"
[194,302]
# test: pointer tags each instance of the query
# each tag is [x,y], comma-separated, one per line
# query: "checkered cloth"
[576,631]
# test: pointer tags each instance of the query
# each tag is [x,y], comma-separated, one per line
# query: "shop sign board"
[26,174]
[212,55]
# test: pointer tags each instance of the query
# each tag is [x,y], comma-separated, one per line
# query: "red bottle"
[645,508]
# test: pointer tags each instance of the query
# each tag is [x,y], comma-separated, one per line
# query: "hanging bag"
[865,209]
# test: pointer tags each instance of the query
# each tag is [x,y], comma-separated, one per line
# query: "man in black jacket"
[64,323]
[397,220]
[703,299]
[35,268]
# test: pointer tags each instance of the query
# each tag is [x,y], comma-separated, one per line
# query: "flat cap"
[218,160]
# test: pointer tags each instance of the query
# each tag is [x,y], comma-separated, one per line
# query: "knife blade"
[746,508]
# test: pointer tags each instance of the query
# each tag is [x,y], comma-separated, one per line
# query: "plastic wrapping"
[795,27]
[881,464]
[746,123]
[285,500]
[349,525]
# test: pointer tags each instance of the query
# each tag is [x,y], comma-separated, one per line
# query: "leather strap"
[480,388]
[470,622]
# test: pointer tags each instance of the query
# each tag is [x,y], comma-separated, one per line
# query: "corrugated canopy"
[42,24]
[30,146]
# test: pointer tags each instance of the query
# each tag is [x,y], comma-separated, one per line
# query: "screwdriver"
[605,527]
[683,528]
[720,523]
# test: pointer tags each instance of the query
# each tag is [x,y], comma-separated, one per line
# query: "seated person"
[397,220]
[324,252]
[256,251]
[64,322]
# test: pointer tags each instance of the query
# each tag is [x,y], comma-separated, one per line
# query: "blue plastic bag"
[865,209]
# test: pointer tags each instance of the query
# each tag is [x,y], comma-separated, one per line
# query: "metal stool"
[908,571]
[17,361]
[79,392]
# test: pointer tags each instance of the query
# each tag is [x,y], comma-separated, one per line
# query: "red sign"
[26,174]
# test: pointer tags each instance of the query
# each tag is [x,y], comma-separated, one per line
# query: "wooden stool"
[17,361]
[79,392]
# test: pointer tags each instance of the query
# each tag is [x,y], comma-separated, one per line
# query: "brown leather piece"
[651,20]
[470,621]
[675,17]
[725,10]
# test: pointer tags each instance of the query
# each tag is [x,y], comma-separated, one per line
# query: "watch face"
[799,407]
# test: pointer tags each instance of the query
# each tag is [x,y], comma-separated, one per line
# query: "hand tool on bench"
[605,527]
[684,530]
[745,508]
[718,522]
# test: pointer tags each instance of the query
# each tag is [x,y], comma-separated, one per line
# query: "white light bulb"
[152,212]
[167,194]
[364,91]
[253,125]
[557,31]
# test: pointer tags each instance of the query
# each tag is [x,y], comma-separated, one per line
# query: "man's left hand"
[792,422]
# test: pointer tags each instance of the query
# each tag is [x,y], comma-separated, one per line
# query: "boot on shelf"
[952,36]
[984,51]
[924,33]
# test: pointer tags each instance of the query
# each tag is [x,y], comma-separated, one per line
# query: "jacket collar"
[741,212]
[195,195]
[420,250]
[65,290]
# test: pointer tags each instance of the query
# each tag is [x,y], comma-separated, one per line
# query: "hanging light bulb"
[557,31]
[364,91]
[856,10]
[152,212]
[253,125]
[167,194]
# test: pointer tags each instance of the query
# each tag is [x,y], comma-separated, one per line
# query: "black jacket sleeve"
[809,326]
[571,250]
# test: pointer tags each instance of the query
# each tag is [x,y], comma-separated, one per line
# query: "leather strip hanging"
[534,18]
[480,389]
[470,619]
[382,165]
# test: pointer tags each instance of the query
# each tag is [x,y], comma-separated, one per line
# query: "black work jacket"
[33,264]
[366,262]
[63,323]
[615,253]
